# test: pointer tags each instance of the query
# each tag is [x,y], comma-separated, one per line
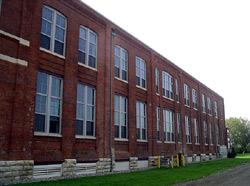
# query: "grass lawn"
[162,176]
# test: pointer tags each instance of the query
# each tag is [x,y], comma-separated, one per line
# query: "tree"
[239,133]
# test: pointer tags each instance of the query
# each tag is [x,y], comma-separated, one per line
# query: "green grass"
[162,176]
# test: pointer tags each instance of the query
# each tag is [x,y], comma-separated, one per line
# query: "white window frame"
[188,129]
[196,131]
[178,122]
[211,133]
[203,103]
[167,85]
[158,121]
[205,132]
[169,128]
[141,70]
[216,109]
[194,95]
[85,105]
[157,80]
[120,112]
[209,106]
[186,95]
[177,91]
[48,105]
[121,60]
[139,118]
[53,31]
[87,40]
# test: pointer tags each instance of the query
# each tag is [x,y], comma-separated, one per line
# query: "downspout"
[111,103]
[215,132]
[182,145]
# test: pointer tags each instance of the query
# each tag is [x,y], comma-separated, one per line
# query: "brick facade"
[20,29]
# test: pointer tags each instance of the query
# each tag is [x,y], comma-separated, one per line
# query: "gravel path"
[236,176]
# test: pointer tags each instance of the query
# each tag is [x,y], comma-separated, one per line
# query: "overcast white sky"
[208,39]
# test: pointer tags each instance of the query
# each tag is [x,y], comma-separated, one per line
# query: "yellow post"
[183,160]
[177,160]
[159,162]
[172,161]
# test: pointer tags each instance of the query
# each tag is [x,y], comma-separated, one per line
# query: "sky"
[210,40]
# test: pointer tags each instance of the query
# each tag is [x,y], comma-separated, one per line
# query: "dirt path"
[236,176]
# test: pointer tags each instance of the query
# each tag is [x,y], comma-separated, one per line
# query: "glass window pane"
[42,83]
[54,124]
[45,42]
[117,51]
[90,128]
[92,61]
[81,57]
[56,87]
[79,127]
[123,132]
[92,49]
[123,119]
[59,35]
[46,27]
[116,131]
[40,104]
[80,111]
[83,33]
[80,93]
[54,107]
[60,20]
[117,62]
[90,113]
[92,38]
[137,72]
[117,107]
[117,118]
[82,45]
[137,62]
[123,104]
[39,123]
[90,95]
[47,14]
[58,47]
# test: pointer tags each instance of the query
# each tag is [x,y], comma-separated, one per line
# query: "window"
[53,31]
[209,106]
[196,131]
[158,123]
[203,103]
[141,122]
[140,72]
[205,132]
[178,127]
[218,134]
[216,109]
[48,104]
[168,120]
[188,129]
[87,53]
[186,95]
[121,63]
[157,80]
[120,117]
[211,133]
[194,94]
[167,85]
[85,111]
[177,91]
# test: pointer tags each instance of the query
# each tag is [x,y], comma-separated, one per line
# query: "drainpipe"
[215,132]
[111,103]
[182,145]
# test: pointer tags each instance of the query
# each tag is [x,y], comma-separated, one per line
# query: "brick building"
[55,88]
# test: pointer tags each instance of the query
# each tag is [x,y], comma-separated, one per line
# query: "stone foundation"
[68,167]
[133,163]
[16,170]
[153,161]
[104,165]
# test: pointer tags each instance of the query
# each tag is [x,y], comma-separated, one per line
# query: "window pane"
[92,38]
[138,134]
[92,49]
[54,124]
[123,119]
[123,104]
[124,75]
[117,72]
[117,62]
[80,111]
[90,128]
[90,113]
[117,107]
[90,95]
[58,48]
[143,134]
[116,131]
[40,103]
[56,85]
[92,61]
[137,71]
[47,14]
[42,83]
[82,45]
[46,27]
[80,93]
[81,57]
[60,21]
[117,118]
[117,51]
[123,132]
[45,42]
[83,33]
[59,35]
[79,127]
[39,123]
[54,107]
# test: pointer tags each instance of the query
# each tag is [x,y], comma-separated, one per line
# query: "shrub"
[232,154]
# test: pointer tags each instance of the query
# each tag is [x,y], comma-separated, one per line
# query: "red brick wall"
[18,89]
